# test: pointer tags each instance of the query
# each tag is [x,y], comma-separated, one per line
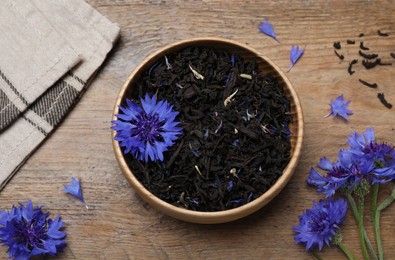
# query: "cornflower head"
[365,148]
[319,225]
[28,232]
[147,131]
[344,174]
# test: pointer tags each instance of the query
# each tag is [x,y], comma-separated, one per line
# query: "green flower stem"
[376,217]
[361,201]
[354,210]
[345,250]
[376,221]
[388,200]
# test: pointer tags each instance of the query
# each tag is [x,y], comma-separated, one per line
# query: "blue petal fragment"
[266,28]
[295,55]
[75,189]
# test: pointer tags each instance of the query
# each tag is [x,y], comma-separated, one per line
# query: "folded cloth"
[51,48]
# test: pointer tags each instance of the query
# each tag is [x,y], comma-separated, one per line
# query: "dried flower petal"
[168,65]
[196,74]
[339,107]
[295,55]
[75,189]
[229,99]
[266,28]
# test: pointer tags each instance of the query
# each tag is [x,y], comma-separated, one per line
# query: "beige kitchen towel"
[83,32]
[29,65]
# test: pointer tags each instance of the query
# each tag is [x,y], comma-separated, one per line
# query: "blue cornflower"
[339,107]
[146,132]
[320,224]
[344,173]
[364,148]
[28,232]
[266,28]
[75,189]
[295,55]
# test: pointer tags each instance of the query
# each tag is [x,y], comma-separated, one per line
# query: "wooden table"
[119,225]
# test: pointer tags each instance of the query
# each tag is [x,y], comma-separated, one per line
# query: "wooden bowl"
[264,65]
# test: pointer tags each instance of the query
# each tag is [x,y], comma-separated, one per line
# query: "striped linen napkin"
[49,52]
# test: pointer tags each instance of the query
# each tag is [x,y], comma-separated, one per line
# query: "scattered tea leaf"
[382,34]
[384,101]
[362,47]
[350,71]
[350,42]
[370,85]
[368,56]
[369,65]
[340,56]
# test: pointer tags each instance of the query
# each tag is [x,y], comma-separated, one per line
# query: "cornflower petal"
[295,55]
[339,108]
[75,189]
[266,28]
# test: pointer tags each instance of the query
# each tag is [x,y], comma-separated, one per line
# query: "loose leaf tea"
[384,101]
[235,142]
[362,47]
[350,42]
[370,85]
[350,71]
[382,34]
[368,56]
[341,56]
[369,65]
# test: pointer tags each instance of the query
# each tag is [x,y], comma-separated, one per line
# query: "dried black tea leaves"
[350,42]
[350,71]
[368,56]
[384,101]
[235,143]
[370,85]
[361,35]
[337,45]
[392,55]
[341,56]
[369,65]
[362,47]
[382,34]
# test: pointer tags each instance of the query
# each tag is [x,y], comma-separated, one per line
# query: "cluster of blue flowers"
[365,161]
[364,164]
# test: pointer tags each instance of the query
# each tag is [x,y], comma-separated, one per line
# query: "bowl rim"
[217,216]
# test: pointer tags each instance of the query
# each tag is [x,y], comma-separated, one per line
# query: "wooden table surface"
[119,225]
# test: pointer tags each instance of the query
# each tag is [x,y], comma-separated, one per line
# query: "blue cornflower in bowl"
[28,232]
[319,225]
[147,131]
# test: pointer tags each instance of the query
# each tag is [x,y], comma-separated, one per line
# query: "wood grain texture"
[118,224]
